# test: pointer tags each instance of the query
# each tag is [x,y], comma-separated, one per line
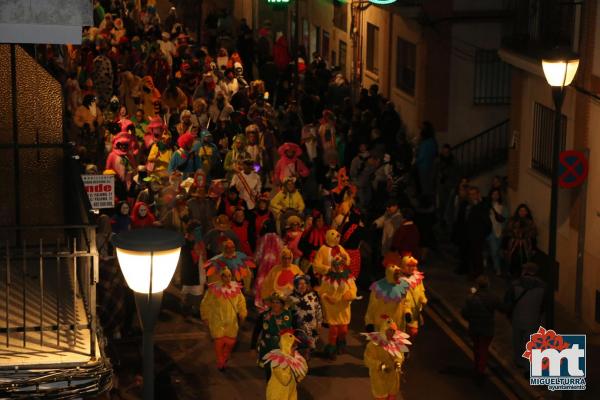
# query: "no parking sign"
[572,168]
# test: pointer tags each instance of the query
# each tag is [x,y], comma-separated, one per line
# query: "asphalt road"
[436,368]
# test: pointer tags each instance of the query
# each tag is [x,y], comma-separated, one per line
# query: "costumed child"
[237,262]
[337,290]
[267,256]
[221,308]
[288,368]
[270,323]
[293,234]
[281,278]
[308,315]
[384,356]
[416,292]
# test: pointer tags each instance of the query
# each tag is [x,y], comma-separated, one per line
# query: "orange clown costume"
[384,356]
[237,262]
[220,309]
[337,290]
[288,368]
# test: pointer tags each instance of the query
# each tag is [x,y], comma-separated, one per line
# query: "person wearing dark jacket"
[479,311]
[524,302]
[478,227]
[407,238]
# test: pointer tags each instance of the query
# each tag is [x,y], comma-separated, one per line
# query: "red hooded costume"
[137,221]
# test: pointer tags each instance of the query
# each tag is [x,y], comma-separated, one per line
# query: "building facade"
[435,59]
[575,26]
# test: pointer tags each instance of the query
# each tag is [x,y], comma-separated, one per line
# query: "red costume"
[139,221]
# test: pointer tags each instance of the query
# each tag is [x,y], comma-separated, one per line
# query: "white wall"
[407,105]
[466,119]
[534,189]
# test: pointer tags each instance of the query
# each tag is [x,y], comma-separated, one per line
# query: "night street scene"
[300,199]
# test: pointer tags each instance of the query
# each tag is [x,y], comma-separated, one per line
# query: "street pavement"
[436,366]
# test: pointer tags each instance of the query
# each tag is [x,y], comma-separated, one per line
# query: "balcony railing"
[540,25]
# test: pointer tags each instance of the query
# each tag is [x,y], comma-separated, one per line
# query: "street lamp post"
[559,71]
[148,258]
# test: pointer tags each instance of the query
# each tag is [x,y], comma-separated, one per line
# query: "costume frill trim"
[239,265]
[415,279]
[335,279]
[294,361]
[390,291]
[394,347]
[225,292]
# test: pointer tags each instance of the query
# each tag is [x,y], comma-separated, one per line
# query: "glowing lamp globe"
[560,71]
[148,258]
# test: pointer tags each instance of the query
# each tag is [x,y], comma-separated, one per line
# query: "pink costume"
[120,159]
[289,167]
[267,256]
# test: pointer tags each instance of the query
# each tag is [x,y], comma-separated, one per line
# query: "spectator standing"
[521,239]
[498,217]
[427,150]
[478,229]
[524,302]
[479,311]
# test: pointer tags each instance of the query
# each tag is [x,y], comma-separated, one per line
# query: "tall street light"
[148,258]
[559,70]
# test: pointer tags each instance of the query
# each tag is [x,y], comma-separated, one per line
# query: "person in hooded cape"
[384,356]
[141,216]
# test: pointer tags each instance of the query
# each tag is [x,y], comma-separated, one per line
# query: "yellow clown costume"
[416,298]
[221,307]
[384,356]
[281,278]
[288,368]
[337,290]
[388,296]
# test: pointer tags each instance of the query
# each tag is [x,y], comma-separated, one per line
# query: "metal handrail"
[484,150]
